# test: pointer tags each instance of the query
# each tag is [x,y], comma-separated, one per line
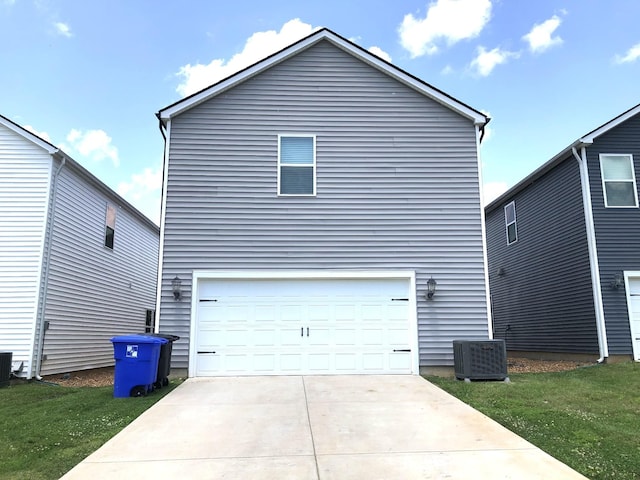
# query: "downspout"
[163,197]
[483,226]
[593,253]
[47,259]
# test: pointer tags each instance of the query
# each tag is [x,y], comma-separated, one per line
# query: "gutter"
[47,261]
[593,251]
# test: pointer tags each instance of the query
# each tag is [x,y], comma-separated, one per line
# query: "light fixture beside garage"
[176,283]
[431,288]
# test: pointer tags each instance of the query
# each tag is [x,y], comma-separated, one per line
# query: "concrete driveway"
[316,427]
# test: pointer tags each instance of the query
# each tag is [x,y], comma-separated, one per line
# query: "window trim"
[107,227]
[632,180]
[507,224]
[280,164]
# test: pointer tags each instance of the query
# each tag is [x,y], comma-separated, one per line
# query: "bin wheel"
[138,391]
[165,381]
[157,385]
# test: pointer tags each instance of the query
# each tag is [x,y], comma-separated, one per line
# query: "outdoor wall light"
[617,282]
[431,288]
[176,283]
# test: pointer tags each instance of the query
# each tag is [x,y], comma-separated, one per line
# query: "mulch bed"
[97,377]
[103,377]
[526,365]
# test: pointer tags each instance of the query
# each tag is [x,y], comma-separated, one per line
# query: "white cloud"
[487,60]
[42,135]
[446,21]
[94,144]
[540,38]
[63,29]
[143,191]
[380,53]
[448,70]
[258,46]
[492,190]
[631,56]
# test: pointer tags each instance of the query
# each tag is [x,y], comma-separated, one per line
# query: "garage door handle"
[399,299]
[199,352]
[402,350]
[307,331]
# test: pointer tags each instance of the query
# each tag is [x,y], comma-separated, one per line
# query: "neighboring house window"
[296,165]
[110,227]
[150,321]
[618,180]
[510,222]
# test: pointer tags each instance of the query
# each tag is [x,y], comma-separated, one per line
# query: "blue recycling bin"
[136,359]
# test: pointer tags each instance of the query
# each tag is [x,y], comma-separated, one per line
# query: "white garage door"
[302,326]
[633,302]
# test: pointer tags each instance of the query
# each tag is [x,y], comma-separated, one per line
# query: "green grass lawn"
[588,418]
[45,430]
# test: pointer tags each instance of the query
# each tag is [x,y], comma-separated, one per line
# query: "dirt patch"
[103,377]
[97,377]
[526,365]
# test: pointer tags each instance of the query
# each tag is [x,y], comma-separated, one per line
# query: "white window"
[618,180]
[510,222]
[110,227]
[296,165]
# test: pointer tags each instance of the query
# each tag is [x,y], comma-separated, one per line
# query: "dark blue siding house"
[563,249]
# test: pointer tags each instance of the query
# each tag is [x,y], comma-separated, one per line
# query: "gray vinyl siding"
[397,188]
[95,293]
[25,173]
[617,232]
[544,293]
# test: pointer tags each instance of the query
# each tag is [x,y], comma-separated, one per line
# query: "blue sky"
[89,76]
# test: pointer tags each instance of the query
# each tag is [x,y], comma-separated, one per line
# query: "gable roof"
[90,177]
[584,141]
[32,137]
[360,53]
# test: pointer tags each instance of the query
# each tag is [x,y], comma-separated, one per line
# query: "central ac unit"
[480,360]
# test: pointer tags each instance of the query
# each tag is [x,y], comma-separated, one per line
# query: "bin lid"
[138,339]
[167,336]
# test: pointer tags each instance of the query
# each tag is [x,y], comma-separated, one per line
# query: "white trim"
[515,221]
[591,136]
[601,327]
[409,275]
[313,166]
[345,45]
[23,132]
[163,210]
[483,227]
[39,304]
[627,276]
[633,180]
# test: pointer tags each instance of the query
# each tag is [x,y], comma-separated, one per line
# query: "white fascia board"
[365,56]
[589,137]
[237,78]
[301,274]
[28,135]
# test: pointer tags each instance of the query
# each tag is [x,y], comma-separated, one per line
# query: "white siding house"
[67,282]
[308,200]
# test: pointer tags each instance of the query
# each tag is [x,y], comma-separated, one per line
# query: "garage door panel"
[633,299]
[399,361]
[346,336]
[319,362]
[302,326]
[291,362]
[373,361]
